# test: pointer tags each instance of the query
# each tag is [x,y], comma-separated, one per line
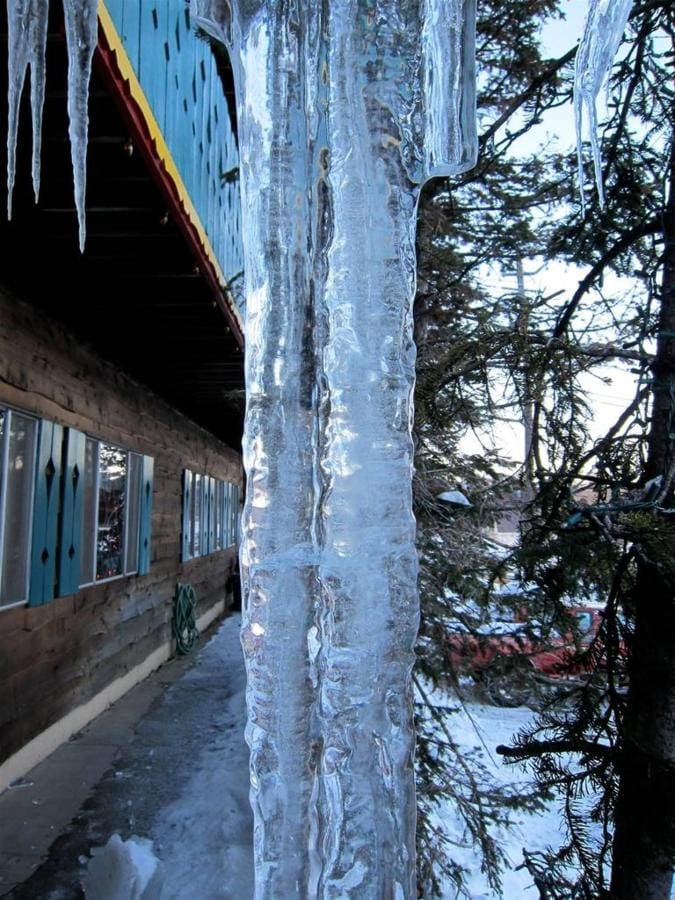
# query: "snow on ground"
[204,837]
[488,726]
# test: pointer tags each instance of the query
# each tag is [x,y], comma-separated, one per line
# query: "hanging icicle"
[81,18]
[604,27]
[27,39]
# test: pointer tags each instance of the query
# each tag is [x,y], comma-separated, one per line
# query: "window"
[111,519]
[18,439]
[210,514]
[73,510]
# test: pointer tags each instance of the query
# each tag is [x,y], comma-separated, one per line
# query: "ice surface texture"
[27,38]
[605,24]
[81,32]
[344,109]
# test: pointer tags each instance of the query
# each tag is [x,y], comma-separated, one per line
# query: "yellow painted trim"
[48,741]
[129,75]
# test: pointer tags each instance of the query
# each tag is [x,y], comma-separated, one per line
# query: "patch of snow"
[123,870]
[456,497]
[205,837]
[535,831]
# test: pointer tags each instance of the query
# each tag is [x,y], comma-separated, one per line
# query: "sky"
[608,395]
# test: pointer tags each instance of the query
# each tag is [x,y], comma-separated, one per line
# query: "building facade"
[121,378]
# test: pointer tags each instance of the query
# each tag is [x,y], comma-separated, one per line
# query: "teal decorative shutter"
[45,514]
[204,525]
[211,482]
[227,514]
[235,514]
[72,506]
[186,524]
[145,518]
[230,514]
[222,536]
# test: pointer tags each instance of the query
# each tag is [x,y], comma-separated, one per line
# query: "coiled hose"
[183,622]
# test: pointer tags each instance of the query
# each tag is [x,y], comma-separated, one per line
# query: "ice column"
[345,107]
[604,27]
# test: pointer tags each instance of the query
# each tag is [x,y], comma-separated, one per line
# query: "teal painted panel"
[145,518]
[204,530]
[45,514]
[128,24]
[231,512]
[179,77]
[212,515]
[72,506]
[235,514]
[177,30]
[186,520]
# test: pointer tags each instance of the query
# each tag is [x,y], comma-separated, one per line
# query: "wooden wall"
[57,656]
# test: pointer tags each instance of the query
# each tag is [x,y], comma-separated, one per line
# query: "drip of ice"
[37,84]
[27,39]
[604,27]
[344,109]
[81,19]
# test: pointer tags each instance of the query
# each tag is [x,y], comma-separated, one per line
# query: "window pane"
[235,514]
[111,498]
[226,514]
[211,491]
[89,513]
[219,515]
[196,515]
[188,507]
[17,503]
[133,511]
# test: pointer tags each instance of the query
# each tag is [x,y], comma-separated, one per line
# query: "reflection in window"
[112,474]
[218,512]
[111,515]
[88,544]
[17,474]
[210,508]
[197,515]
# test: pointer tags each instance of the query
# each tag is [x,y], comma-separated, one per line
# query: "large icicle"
[38,76]
[604,27]
[81,17]
[27,39]
[345,108]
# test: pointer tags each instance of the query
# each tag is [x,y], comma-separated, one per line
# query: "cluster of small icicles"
[27,43]
[27,21]
[605,24]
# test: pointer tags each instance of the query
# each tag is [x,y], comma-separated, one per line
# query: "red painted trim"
[106,65]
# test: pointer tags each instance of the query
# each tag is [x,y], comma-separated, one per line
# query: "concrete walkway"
[149,766]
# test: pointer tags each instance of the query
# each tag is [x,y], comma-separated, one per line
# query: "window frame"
[95,515]
[218,502]
[4,470]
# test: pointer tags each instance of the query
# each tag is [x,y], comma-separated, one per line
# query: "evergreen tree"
[486,357]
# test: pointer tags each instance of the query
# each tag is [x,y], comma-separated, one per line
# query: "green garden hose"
[183,622]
